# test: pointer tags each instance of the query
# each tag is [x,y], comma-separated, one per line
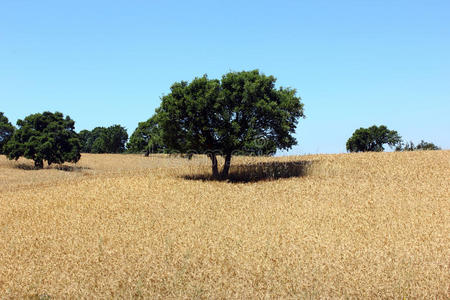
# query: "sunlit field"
[321,226]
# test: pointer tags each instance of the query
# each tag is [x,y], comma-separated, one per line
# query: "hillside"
[348,225]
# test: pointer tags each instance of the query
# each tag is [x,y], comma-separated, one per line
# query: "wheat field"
[370,225]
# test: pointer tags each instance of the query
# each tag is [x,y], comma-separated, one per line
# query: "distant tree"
[99,144]
[222,117]
[96,140]
[115,138]
[88,138]
[104,140]
[6,131]
[85,140]
[427,146]
[372,139]
[405,146]
[146,138]
[45,137]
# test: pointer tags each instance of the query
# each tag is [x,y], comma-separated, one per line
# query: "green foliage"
[427,146]
[146,138]
[405,146]
[6,131]
[372,139]
[47,136]
[95,142]
[104,140]
[85,140]
[222,117]
[260,147]
[99,145]
[115,138]
[88,138]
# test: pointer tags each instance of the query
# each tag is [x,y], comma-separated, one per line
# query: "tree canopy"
[43,137]
[222,117]
[372,139]
[146,138]
[104,140]
[6,131]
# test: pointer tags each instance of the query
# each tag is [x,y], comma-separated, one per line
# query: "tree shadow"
[26,167]
[68,168]
[65,168]
[263,171]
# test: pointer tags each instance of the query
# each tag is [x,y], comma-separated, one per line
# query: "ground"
[122,226]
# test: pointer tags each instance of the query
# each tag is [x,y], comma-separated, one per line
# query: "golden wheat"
[121,226]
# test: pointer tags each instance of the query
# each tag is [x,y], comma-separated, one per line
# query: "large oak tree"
[222,117]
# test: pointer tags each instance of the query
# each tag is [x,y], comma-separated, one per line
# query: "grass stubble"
[125,226]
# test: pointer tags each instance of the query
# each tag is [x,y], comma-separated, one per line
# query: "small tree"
[372,139]
[146,138]
[220,117]
[47,136]
[6,131]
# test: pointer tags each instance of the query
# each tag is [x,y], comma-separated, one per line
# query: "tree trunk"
[215,170]
[226,166]
[39,164]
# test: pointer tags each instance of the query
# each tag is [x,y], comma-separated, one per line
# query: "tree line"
[103,140]
[242,113]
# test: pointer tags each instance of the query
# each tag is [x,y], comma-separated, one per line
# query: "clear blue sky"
[354,63]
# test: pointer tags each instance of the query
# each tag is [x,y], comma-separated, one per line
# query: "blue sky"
[354,63]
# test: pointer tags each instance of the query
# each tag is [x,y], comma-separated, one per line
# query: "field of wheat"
[321,226]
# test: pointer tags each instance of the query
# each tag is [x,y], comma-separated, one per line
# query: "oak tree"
[43,137]
[222,117]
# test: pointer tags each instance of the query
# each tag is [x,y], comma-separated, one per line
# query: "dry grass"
[122,226]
